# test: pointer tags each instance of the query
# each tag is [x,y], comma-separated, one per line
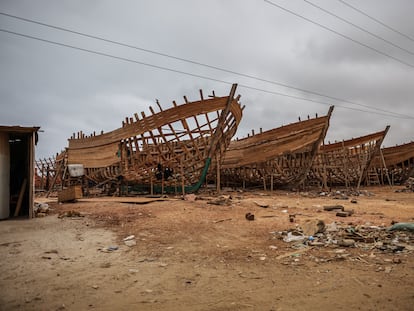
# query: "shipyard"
[185,156]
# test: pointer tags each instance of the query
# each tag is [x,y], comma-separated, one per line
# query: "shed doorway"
[16,171]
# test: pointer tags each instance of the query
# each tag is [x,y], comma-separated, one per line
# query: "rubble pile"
[397,238]
[409,186]
[344,194]
[40,209]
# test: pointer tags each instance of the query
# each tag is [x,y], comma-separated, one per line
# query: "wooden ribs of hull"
[347,162]
[281,156]
[398,161]
[48,172]
[179,139]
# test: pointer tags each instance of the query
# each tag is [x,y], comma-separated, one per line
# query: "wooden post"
[244,178]
[47,177]
[152,185]
[182,179]
[385,167]
[42,178]
[324,178]
[20,199]
[162,182]
[218,181]
[271,181]
[362,172]
[345,165]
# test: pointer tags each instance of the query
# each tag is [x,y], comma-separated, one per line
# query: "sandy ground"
[193,255]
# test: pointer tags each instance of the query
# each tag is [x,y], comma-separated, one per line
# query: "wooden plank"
[20,199]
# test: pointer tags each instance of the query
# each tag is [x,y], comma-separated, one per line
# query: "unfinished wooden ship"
[395,164]
[346,163]
[166,151]
[279,157]
[47,173]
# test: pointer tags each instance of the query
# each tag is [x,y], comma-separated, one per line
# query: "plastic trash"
[402,226]
[291,237]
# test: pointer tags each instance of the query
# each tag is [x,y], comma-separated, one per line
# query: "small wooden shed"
[17,154]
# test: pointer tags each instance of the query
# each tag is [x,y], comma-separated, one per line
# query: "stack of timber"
[395,164]
[279,157]
[171,149]
[346,163]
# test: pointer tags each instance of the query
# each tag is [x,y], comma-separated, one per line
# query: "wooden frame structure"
[346,163]
[279,157]
[395,164]
[48,173]
[167,151]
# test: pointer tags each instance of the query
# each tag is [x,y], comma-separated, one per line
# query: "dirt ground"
[194,255]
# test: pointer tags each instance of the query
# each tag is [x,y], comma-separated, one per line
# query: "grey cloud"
[64,90]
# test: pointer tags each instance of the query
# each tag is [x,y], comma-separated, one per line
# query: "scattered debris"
[190,197]
[330,208]
[294,236]
[53,251]
[341,196]
[344,213]
[312,227]
[339,209]
[409,186]
[263,205]
[108,249]
[295,253]
[40,209]
[402,226]
[364,237]
[130,243]
[70,214]
[222,220]
[249,216]
[130,237]
[140,202]
[346,242]
[105,265]
[345,194]
[222,200]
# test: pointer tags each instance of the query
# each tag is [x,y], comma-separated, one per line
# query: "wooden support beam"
[385,167]
[20,198]
[218,181]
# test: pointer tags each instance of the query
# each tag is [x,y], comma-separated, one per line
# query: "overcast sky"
[64,90]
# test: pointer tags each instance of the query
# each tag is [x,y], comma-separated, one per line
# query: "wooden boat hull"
[395,163]
[346,163]
[279,157]
[169,149]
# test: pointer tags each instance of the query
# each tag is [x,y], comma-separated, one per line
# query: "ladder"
[373,177]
